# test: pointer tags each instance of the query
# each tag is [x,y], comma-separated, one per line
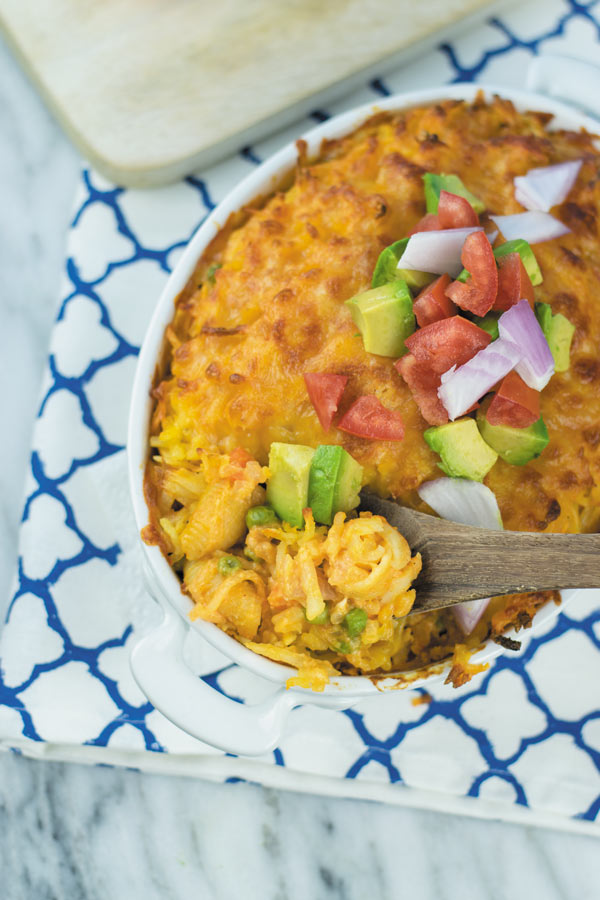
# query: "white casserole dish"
[157,659]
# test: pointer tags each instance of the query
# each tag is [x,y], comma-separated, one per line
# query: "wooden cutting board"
[150,90]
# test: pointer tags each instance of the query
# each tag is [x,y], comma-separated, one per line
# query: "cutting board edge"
[160,175]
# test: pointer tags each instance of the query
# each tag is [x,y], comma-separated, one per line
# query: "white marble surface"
[72,832]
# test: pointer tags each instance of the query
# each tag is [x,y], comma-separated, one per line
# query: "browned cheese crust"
[274,310]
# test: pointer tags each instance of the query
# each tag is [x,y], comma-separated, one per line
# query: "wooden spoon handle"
[465,563]
[487,563]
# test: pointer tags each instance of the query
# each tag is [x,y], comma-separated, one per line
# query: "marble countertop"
[73,832]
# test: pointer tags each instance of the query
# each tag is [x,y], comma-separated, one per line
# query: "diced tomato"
[456,212]
[423,383]
[432,305]
[449,342]
[429,222]
[239,457]
[325,392]
[514,283]
[515,404]
[478,293]
[369,419]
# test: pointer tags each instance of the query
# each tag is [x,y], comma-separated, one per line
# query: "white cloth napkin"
[521,742]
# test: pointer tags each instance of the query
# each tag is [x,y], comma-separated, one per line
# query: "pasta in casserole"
[266,305]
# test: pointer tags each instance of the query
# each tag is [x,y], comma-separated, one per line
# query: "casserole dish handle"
[161,673]
[186,700]
[574,81]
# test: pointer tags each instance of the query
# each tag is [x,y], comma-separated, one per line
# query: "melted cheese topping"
[242,339]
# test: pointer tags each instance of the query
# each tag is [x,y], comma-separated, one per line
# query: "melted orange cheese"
[241,341]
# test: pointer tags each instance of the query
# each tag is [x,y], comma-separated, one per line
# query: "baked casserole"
[273,363]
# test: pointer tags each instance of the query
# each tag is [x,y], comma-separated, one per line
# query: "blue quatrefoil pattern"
[526,733]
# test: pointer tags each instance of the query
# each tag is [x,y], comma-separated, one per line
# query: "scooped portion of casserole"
[422,296]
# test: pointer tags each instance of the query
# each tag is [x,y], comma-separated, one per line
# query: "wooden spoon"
[465,563]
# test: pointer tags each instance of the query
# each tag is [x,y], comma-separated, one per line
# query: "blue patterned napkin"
[521,742]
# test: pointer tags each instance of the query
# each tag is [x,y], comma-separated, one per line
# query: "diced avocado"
[435,184]
[488,323]
[386,266]
[559,332]
[464,452]
[386,269]
[527,256]
[287,489]
[385,318]
[543,313]
[517,446]
[416,280]
[334,483]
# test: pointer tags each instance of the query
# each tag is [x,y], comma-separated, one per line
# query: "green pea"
[250,554]
[344,647]
[355,622]
[210,272]
[227,565]
[260,515]
[321,619]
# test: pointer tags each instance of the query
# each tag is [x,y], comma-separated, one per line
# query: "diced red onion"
[436,251]
[463,387]
[470,503]
[519,324]
[469,612]
[464,501]
[546,186]
[533,227]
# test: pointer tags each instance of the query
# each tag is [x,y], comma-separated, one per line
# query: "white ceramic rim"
[259,183]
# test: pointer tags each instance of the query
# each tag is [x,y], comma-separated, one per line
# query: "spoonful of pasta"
[462,562]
